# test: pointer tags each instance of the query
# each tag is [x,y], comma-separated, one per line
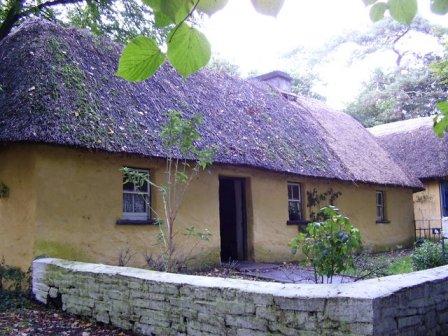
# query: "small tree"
[329,245]
[184,161]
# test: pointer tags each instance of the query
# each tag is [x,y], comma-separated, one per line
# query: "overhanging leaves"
[439,6]
[377,11]
[176,10]
[188,50]
[268,7]
[210,7]
[140,59]
[161,20]
[403,11]
[441,120]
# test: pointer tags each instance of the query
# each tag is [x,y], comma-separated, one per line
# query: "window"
[136,198]
[380,207]
[294,202]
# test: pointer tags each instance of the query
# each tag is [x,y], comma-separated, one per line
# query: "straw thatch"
[59,87]
[415,146]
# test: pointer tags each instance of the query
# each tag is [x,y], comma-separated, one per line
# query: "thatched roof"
[414,145]
[59,87]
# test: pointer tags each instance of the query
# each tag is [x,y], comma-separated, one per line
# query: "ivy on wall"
[316,200]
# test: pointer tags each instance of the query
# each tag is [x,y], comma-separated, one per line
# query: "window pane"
[128,186]
[127,202]
[143,187]
[379,213]
[379,198]
[295,191]
[294,211]
[139,203]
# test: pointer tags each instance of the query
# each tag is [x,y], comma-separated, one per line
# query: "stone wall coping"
[364,289]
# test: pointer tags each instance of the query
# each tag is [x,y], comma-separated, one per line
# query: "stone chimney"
[277,79]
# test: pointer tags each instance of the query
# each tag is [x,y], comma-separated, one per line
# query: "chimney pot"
[277,79]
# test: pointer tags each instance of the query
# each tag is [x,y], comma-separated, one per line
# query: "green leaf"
[439,6]
[211,6]
[377,11]
[441,120]
[369,2]
[161,20]
[443,107]
[188,50]
[154,4]
[403,11]
[181,177]
[268,7]
[176,10]
[140,59]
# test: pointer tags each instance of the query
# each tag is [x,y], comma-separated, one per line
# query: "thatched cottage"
[68,125]
[414,145]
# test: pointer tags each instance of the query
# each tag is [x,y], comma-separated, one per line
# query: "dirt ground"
[36,320]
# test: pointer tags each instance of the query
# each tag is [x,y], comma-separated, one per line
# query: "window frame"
[137,216]
[298,200]
[380,206]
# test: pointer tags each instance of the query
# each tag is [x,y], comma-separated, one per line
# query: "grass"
[400,266]
[381,264]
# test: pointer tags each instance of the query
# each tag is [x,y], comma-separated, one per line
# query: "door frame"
[244,237]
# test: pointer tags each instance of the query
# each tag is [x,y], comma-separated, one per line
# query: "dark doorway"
[232,215]
[444,198]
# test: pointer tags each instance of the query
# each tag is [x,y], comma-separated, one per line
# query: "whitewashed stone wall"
[156,303]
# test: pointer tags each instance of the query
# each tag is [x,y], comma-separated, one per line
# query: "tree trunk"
[16,11]
[12,16]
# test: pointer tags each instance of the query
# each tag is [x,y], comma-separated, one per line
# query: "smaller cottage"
[414,145]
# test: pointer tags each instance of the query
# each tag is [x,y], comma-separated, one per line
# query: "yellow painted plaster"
[79,200]
[17,212]
[427,209]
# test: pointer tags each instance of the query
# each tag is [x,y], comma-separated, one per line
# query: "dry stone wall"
[156,303]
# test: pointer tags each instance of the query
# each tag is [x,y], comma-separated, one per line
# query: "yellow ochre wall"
[79,199]
[427,209]
[17,212]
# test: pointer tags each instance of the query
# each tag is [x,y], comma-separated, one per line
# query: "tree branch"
[11,17]
[16,12]
[47,4]
[395,50]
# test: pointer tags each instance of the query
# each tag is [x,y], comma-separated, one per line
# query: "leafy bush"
[13,287]
[428,255]
[328,245]
[12,278]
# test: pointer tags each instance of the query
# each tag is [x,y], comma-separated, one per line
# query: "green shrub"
[12,278]
[428,255]
[329,245]
[13,287]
